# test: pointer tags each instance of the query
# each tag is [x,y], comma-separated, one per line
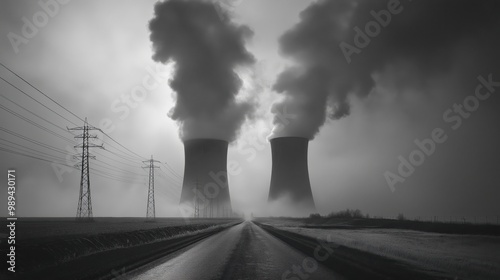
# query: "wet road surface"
[244,251]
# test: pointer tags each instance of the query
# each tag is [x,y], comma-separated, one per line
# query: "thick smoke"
[206,48]
[416,41]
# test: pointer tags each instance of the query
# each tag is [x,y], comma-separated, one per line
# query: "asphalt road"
[244,251]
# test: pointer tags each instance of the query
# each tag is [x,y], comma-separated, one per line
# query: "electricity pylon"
[84,212]
[150,213]
[196,202]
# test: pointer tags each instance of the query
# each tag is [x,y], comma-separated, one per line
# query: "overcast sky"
[363,109]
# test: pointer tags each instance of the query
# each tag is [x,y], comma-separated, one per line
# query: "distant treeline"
[357,214]
[344,214]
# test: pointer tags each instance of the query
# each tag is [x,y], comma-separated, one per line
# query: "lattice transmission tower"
[84,212]
[196,202]
[150,213]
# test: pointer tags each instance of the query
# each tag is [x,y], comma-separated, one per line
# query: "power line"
[174,180]
[170,186]
[113,176]
[49,161]
[30,156]
[130,153]
[33,141]
[29,150]
[115,169]
[117,161]
[20,106]
[22,91]
[35,124]
[140,157]
[40,91]
[115,179]
[171,170]
[119,155]
[96,172]
[32,122]
[111,167]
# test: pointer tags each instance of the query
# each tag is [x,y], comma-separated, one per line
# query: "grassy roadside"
[373,223]
[98,255]
[352,263]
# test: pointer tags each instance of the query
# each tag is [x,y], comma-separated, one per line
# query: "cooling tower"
[205,174]
[290,176]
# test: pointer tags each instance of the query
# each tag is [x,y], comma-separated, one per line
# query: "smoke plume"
[206,48]
[334,56]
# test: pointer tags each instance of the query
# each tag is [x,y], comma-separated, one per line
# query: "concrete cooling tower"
[290,176]
[205,174]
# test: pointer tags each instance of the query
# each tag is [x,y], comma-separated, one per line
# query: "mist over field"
[250,139]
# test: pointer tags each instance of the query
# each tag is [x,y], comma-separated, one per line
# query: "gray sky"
[91,56]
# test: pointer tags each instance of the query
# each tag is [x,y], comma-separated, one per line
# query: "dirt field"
[29,228]
[465,256]
[44,243]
